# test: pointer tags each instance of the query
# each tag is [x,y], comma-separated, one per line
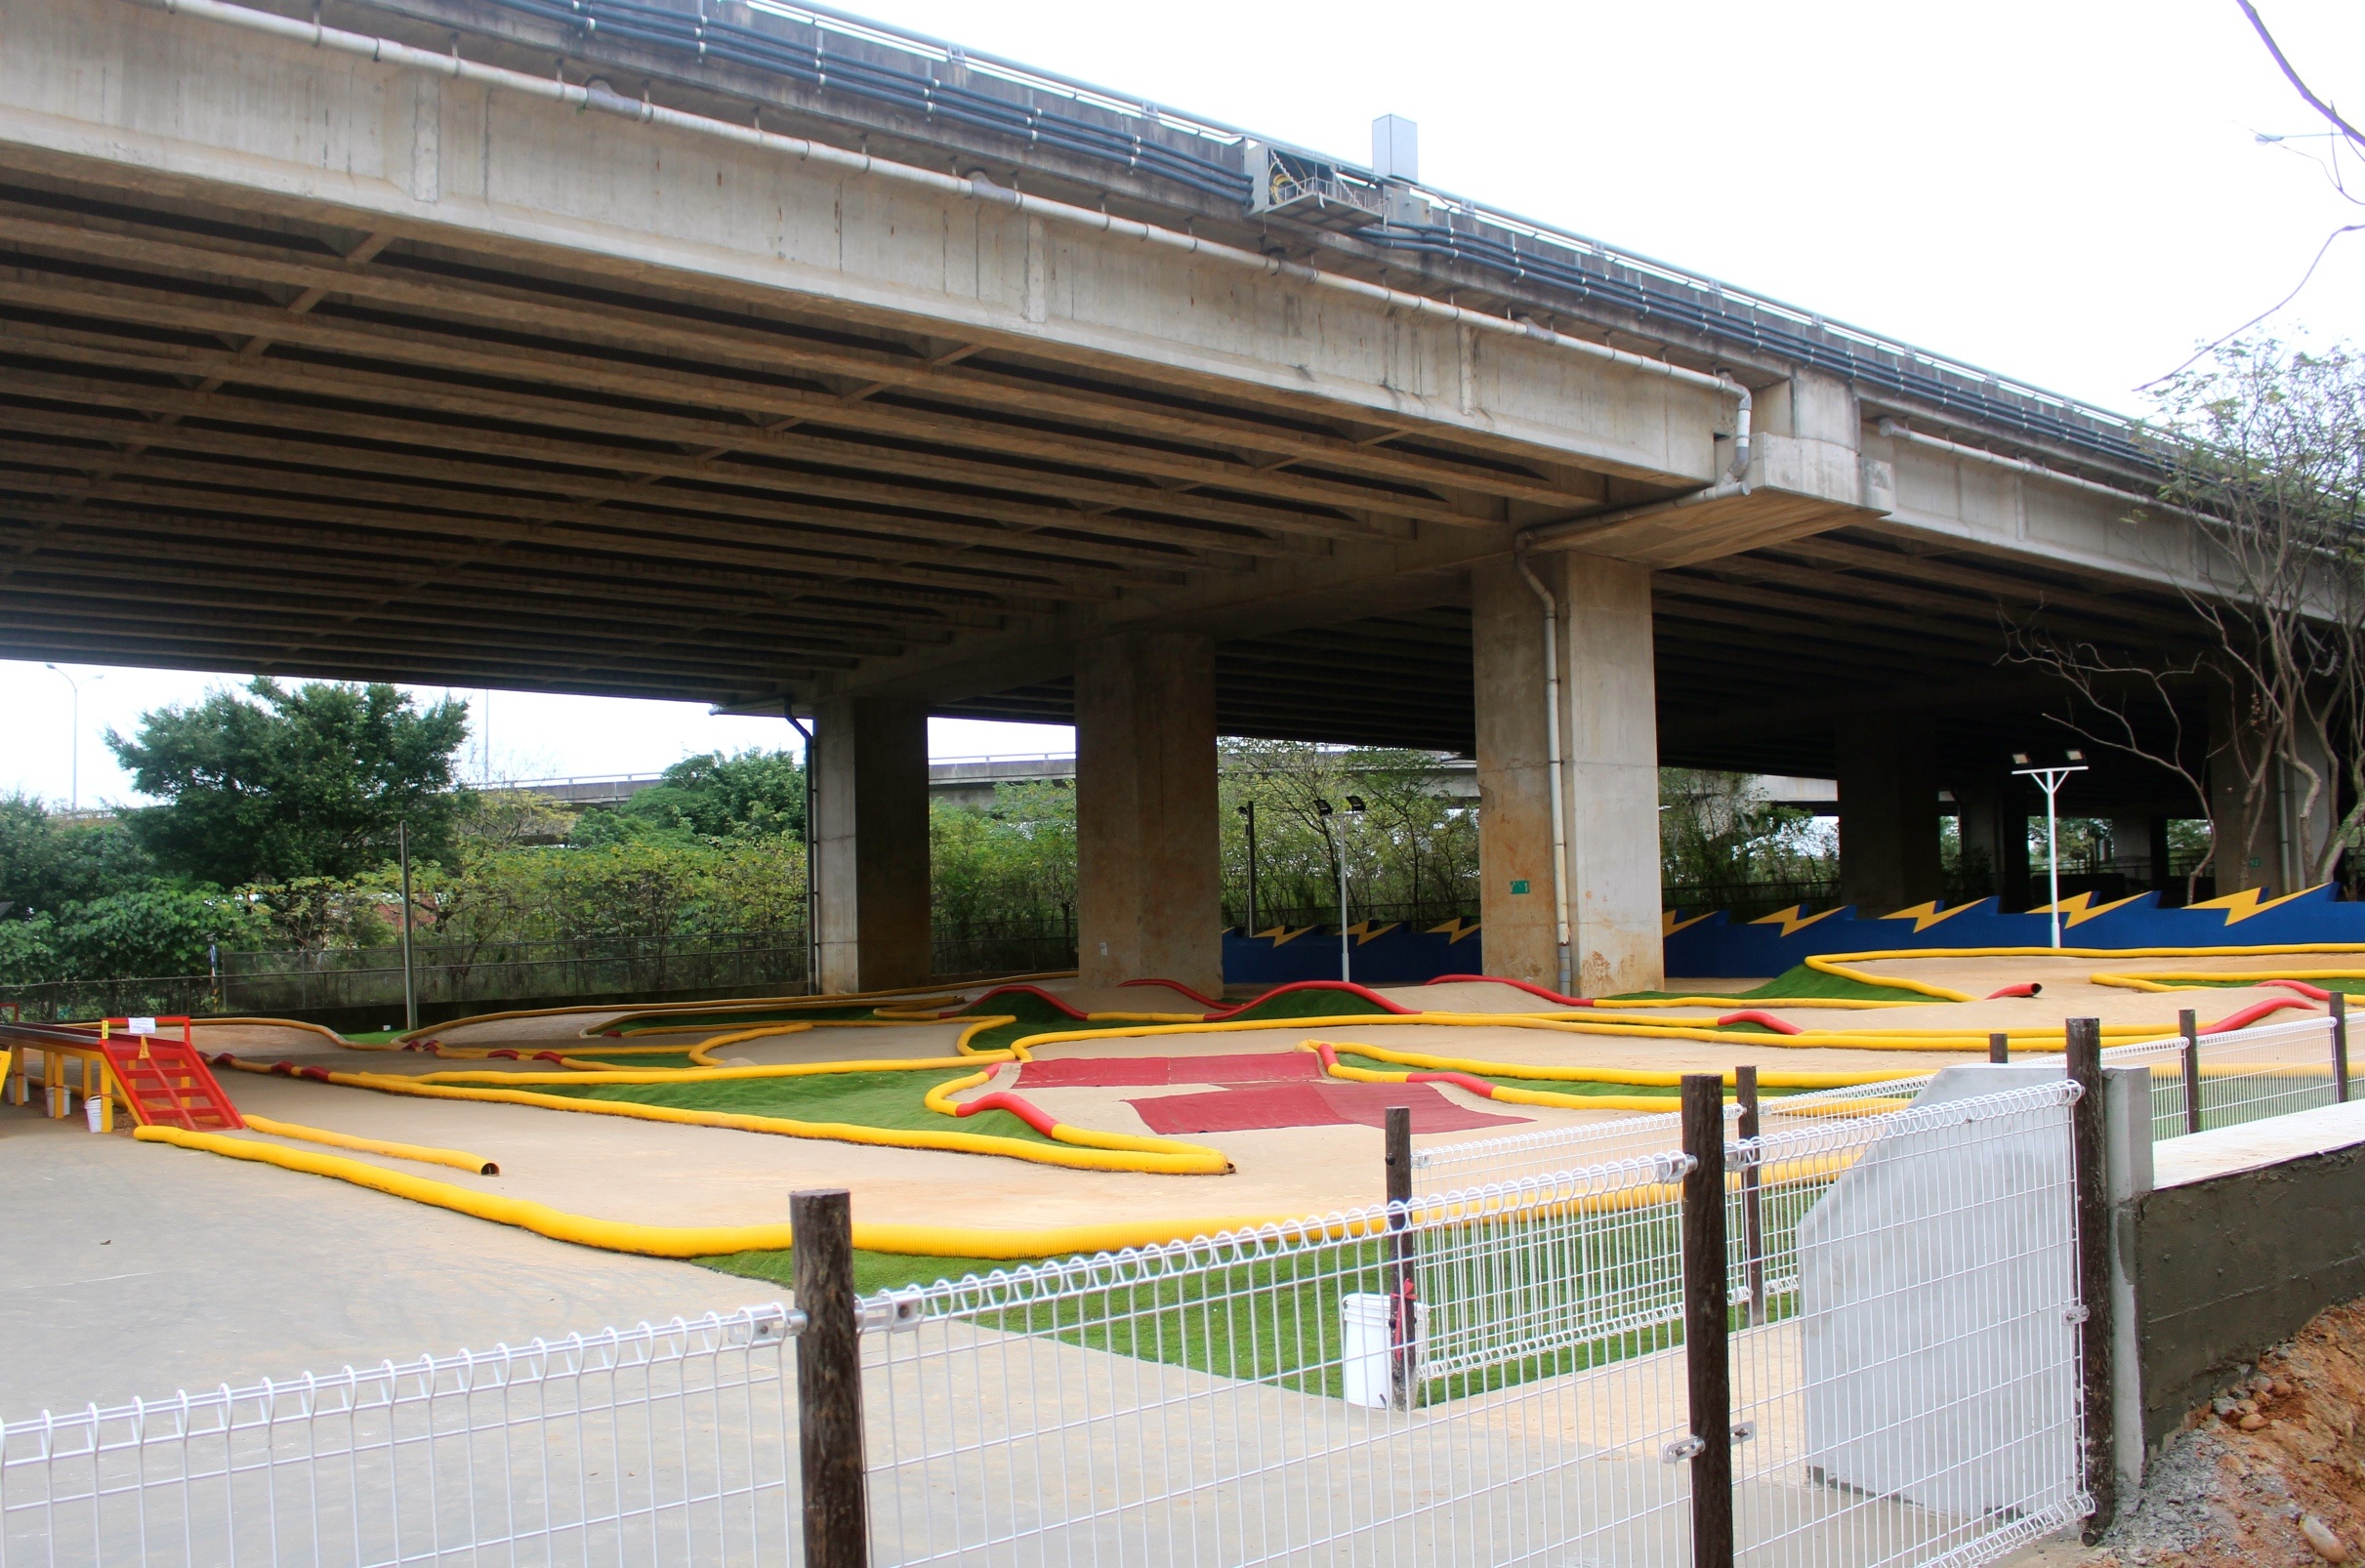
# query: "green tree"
[275,784]
[754,795]
[151,932]
[46,864]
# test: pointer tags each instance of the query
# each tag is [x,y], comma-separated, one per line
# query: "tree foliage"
[1721,839]
[753,795]
[47,864]
[2264,449]
[275,784]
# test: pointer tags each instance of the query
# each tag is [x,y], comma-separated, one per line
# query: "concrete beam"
[194,107]
[871,812]
[1148,861]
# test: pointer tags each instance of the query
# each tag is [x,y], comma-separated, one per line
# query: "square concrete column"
[1148,861]
[1992,816]
[870,799]
[1889,814]
[1609,748]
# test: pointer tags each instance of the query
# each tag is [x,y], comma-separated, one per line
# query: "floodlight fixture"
[2049,780]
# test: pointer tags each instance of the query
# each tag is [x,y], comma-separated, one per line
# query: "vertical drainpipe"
[1551,753]
[1552,693]
[812,858]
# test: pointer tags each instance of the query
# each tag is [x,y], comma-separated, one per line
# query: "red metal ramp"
[166,1082]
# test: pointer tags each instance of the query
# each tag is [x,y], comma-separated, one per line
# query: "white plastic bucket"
[94,1111]
[1364,1347]
[58,1100]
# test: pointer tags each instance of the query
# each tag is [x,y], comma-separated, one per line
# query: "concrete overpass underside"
[384,348]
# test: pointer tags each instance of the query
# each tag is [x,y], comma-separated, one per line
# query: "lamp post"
[73,747]
[2049,780]
[410,975]
[1248,809]
[1324,810]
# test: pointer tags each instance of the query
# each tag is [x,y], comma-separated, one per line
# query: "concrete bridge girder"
[575,373]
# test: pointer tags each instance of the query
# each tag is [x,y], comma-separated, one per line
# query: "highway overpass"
[682,348]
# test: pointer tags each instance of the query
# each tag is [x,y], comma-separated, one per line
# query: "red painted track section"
[1282,1105]
[1531,990]
[1153,1072]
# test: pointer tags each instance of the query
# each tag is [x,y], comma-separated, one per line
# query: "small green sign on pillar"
[1518,884]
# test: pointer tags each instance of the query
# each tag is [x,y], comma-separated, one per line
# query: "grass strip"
[1797,984]
[863,1099]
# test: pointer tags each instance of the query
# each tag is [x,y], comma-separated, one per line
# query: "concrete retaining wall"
[2249,1232]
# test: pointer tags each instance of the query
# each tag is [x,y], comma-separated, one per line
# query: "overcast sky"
[2071,195]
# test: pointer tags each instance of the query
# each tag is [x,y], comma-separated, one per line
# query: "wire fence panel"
[1906,1368]
[1491,1384]
[2246,1075]
[669,1445]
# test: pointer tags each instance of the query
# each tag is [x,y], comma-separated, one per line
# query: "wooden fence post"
[2340,1045]
[1753,1206]
[1403,1290]
[2188,1022]
[829,1382]
[2087,1124]
[1707,1324]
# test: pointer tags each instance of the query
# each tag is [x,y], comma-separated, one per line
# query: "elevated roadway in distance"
[771,360]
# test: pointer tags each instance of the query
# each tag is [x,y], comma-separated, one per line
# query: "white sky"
[2070,194]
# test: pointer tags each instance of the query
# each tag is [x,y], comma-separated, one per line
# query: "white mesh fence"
[1909,1380]
[668,1445]
[1496,1376]
[1906,1386]
[2246,1075]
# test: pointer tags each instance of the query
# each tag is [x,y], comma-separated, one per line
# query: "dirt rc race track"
[1037,1118]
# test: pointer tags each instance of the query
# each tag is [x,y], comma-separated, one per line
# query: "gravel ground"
[2269,1473]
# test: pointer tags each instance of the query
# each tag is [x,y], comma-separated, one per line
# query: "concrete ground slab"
[136,1270]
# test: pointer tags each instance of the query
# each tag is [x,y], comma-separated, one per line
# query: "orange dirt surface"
[2278,1453]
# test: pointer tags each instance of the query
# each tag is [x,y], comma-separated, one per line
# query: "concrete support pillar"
[1149,863]
[1889,814]
[871,835]
[1609,744]
[1993,820]
[2130,849]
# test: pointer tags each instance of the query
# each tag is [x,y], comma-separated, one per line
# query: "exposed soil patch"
[2269,1465]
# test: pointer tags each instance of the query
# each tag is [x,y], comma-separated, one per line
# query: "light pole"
[1324,810]
[2051,780]
[73,747]
[1248,809]
[410,975]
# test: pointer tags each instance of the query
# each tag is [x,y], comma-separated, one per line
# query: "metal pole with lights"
[73,747]
[1324,810]
[2051,780]
[1248,809]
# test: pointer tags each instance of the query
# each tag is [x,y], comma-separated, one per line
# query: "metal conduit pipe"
[597,96]
[1898,432]
[1561,536]
[1552,756]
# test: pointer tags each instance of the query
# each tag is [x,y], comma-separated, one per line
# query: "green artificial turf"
[1799,983]
[890,1100]
[752,1017]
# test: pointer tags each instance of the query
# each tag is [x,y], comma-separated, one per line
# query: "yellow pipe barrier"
[1080,1149]
[707,1241]
[457,1159]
